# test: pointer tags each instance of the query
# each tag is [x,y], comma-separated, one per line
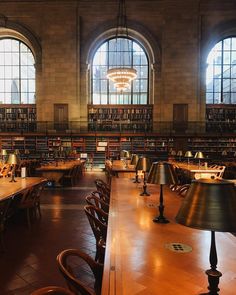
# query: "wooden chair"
[69,176]
[102,187]
[30,202]
[97,202]
[98,226]
[101,196]
[74,264]
[4,206]
[52,290]
[36,194]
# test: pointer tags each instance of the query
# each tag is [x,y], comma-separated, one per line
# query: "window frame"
[130,93]
[20,78]
[221,76]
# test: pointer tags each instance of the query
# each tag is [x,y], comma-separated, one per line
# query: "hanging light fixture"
[121,74]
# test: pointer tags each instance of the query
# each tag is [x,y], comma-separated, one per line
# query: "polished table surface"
[138,259]
[9,189]
[196,171]
[59,166]
[55,171]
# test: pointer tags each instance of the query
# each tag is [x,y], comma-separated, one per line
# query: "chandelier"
[121,74]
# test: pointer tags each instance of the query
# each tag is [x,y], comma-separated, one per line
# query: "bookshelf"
[221,117]
[212,147]
[17,117]
[100,147]
[120,117]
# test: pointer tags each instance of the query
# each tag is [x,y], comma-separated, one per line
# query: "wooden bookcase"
[40,146]
[120,117]
[17,117]
[213,147]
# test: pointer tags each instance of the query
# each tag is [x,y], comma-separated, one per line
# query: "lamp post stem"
[161,218]
[144,193]
[136,180]
[213,274]
[13,174]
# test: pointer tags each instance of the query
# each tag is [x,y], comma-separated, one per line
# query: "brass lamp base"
[145,192]
[160,219]
[13,180]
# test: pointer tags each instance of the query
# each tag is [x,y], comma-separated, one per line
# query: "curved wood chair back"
[97,202]
[52,290]
[101,196]
[71,263]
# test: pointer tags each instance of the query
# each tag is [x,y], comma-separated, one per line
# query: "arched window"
[17,72]
[221,73]
[103,90]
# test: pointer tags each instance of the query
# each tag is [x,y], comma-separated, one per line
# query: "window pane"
[119,52]
[19,64]
[223,75]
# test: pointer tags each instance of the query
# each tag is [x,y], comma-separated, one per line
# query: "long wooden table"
[196,172]
[10,189]
[55,171]
[138,259]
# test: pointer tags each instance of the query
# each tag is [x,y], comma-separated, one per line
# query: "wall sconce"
[161,173]
[210,205]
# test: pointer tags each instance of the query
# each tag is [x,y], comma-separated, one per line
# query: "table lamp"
[210,204]
[173,153]
[224,153]
[4,155]
[125,155]
[134,161]
[13,161]
[179,154]
[161,173]
[199,156]
[144,164]
[188,155]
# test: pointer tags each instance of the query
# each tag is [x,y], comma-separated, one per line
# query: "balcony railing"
[80,127]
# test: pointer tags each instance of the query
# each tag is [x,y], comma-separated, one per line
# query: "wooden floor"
[30,259]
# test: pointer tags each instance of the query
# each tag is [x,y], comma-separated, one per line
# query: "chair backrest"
[4,205]
[221,173]
[52,290]
[97,202]
[101,196]
[102,187]
[71,263]
[97,220]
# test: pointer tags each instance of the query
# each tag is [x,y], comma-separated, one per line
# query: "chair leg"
[28,218]
[39,210]
[2,242]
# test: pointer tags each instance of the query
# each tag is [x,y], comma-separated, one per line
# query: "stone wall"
[67,29]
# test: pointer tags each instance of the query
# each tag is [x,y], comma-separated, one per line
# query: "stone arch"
[135,31]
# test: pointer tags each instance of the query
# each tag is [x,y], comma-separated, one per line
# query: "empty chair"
[69,176]
[183,189]
[52,290]
[98,222]
[102,187]
[30,202]
[97,202]
[74,266]
[102,196]
[4,206]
